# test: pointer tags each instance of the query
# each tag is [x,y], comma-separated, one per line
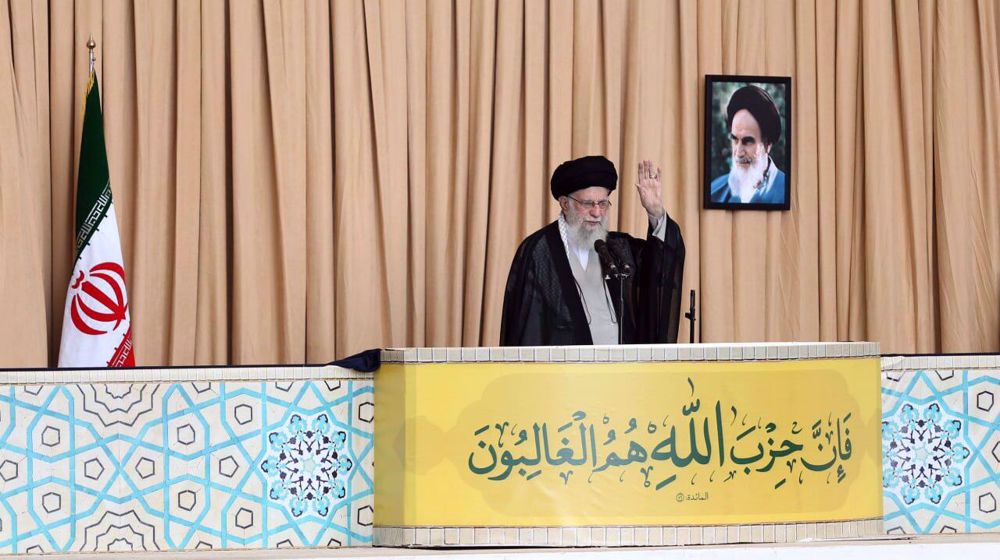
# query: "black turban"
[588,171]
[761,106]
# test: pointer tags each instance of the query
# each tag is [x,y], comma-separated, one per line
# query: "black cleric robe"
[542,304]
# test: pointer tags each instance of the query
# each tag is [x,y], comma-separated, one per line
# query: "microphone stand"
[620,276]
[625,272]
[691,318]
[608,276]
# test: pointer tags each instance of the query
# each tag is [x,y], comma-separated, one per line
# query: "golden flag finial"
[91,45]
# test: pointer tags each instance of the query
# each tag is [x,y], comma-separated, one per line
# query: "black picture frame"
[776,192]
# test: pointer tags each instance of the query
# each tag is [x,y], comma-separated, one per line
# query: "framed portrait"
[748,142]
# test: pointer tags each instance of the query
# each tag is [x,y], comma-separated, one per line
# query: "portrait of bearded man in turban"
[752,176]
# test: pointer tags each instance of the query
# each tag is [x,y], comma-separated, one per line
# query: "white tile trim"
[761,351]
[178,375]
[971,361]
[627,535]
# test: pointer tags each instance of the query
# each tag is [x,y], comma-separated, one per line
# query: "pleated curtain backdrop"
[300,180]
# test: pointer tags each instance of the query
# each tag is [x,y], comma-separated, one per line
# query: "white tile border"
[179,375]
[944,361]
[760,351]
[628,535]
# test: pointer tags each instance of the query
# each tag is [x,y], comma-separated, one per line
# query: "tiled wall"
[941,444]
[187,464]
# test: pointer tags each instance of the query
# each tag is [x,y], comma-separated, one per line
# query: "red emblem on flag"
[123,356]
[99,304]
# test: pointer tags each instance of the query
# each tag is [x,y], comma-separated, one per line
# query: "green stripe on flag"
[93,189]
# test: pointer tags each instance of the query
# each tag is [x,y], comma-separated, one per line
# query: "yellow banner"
[546,444]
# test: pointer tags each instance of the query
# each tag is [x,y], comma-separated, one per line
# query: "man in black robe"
[561,292]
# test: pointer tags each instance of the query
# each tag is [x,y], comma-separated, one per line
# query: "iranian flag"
[97,329]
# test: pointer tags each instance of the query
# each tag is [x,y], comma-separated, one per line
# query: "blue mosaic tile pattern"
[169,466]
[941,451]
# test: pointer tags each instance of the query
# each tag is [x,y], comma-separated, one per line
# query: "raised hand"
[650,191]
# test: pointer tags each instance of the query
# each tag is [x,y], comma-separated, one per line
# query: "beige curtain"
[300,180]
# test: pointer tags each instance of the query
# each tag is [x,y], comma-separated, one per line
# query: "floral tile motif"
[941,451]
[307,465]
[922,454]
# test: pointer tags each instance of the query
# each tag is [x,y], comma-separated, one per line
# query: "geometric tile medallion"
[941,450]
[194,465]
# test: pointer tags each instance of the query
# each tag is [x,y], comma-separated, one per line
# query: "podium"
[627,445]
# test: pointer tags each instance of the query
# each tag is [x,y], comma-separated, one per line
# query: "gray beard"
[743,184]
[583,237]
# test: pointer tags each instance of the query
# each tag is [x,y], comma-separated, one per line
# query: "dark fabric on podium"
[542,304]
[366,361]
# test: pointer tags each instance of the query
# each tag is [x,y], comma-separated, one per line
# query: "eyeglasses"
[591,204]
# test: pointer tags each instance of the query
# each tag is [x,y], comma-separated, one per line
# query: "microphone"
[610,265]
[607,261]
[618,255]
